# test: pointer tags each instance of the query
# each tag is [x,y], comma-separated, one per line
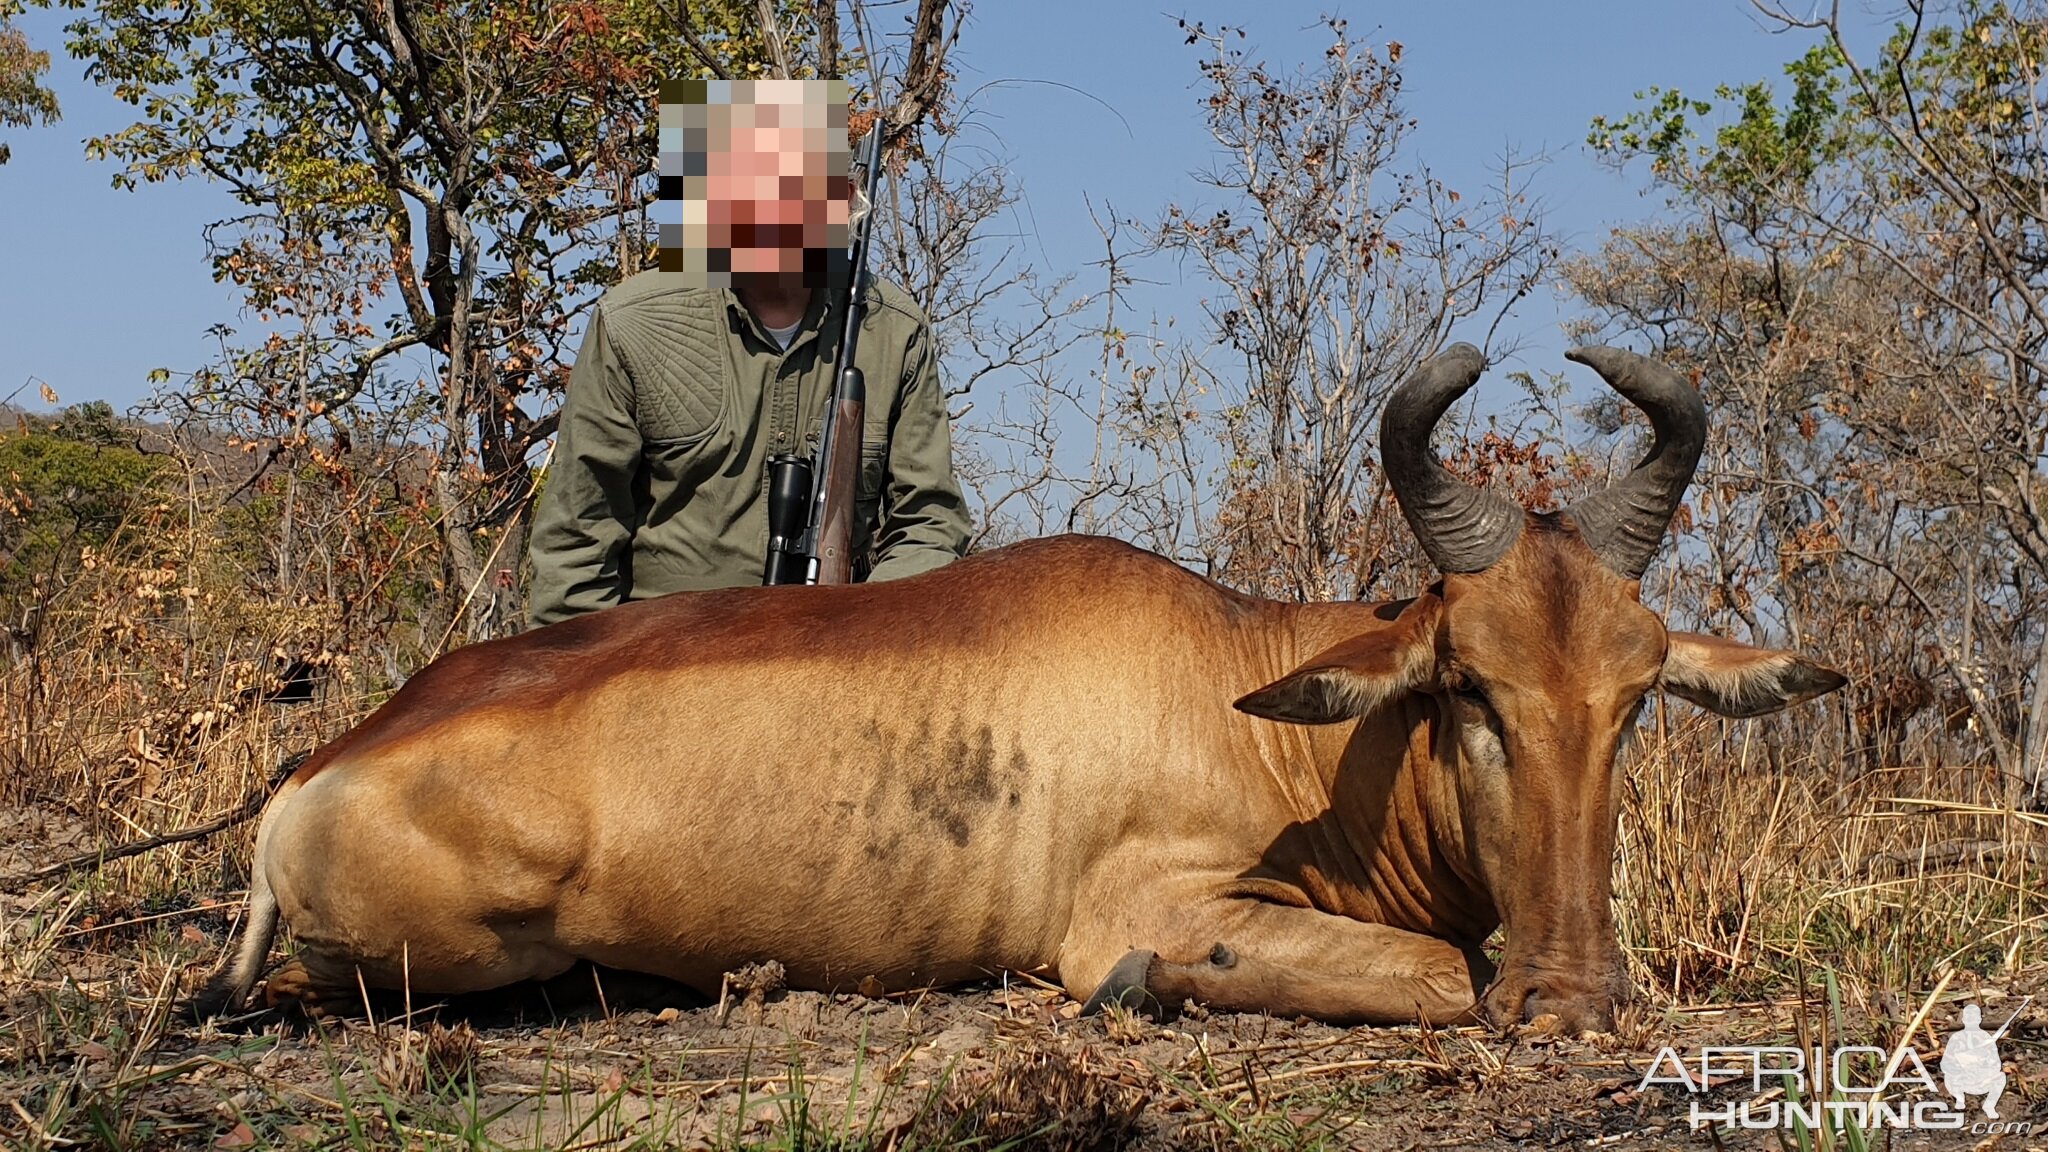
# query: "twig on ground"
[1266,1079]
[248,808]
[114,925]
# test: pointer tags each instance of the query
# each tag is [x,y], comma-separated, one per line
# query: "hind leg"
[381,891]
[322,980]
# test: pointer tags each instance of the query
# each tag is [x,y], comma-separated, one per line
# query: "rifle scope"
[789,517]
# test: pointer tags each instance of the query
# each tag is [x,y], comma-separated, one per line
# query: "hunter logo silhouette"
[1969,1061]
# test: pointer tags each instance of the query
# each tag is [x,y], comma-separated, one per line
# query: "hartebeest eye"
[1475,708]
[1477,724]
[1467,689]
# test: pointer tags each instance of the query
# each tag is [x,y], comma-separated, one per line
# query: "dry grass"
[1744,879]
[1738,879]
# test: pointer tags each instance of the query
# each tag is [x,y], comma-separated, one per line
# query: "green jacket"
[677,400]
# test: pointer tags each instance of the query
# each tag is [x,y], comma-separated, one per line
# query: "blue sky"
[105,285]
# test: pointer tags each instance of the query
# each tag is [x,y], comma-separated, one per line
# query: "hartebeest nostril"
[1503,1002]
[1567,1010]
[1567,998]
[1574,1012]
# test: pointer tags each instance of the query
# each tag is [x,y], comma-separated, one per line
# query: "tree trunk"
[464,570]
[2035,755]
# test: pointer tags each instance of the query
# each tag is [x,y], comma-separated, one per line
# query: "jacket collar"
[822,317]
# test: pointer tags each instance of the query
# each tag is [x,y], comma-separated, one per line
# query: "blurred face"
[759,169]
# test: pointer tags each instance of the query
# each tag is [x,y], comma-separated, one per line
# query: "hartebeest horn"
[1462,528]
[1624,523]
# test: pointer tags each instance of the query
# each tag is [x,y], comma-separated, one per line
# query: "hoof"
[293,988]
[1125,986]
[219,996]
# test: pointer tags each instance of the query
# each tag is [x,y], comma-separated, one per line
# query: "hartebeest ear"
[1349,679]
[1737,680]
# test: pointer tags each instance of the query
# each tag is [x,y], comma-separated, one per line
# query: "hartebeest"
[1030,760]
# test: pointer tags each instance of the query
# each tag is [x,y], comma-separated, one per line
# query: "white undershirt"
[782,336]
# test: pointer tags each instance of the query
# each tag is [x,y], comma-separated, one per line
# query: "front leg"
[1242,954]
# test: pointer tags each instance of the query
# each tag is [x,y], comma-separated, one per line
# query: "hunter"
[693,374]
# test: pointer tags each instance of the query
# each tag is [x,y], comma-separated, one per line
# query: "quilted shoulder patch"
[673,348]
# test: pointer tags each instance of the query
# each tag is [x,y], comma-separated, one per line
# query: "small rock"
[957,1039]
[667,1016]
[757,982]
[1516,1129]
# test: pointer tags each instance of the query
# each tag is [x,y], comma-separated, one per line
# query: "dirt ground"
[92,1055]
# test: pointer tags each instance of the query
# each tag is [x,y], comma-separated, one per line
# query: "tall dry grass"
[1742,873]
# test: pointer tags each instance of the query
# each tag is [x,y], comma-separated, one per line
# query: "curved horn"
[1462,528]
[1624,524]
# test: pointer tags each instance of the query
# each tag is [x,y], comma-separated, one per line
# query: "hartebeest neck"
[1378,831]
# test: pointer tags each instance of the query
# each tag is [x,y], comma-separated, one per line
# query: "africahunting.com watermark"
[1822,1088]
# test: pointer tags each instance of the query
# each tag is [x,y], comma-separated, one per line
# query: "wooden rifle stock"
[839,486]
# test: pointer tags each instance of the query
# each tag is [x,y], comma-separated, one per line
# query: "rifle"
[811,507]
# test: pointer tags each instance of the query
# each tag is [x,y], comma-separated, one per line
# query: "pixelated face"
[757,171]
